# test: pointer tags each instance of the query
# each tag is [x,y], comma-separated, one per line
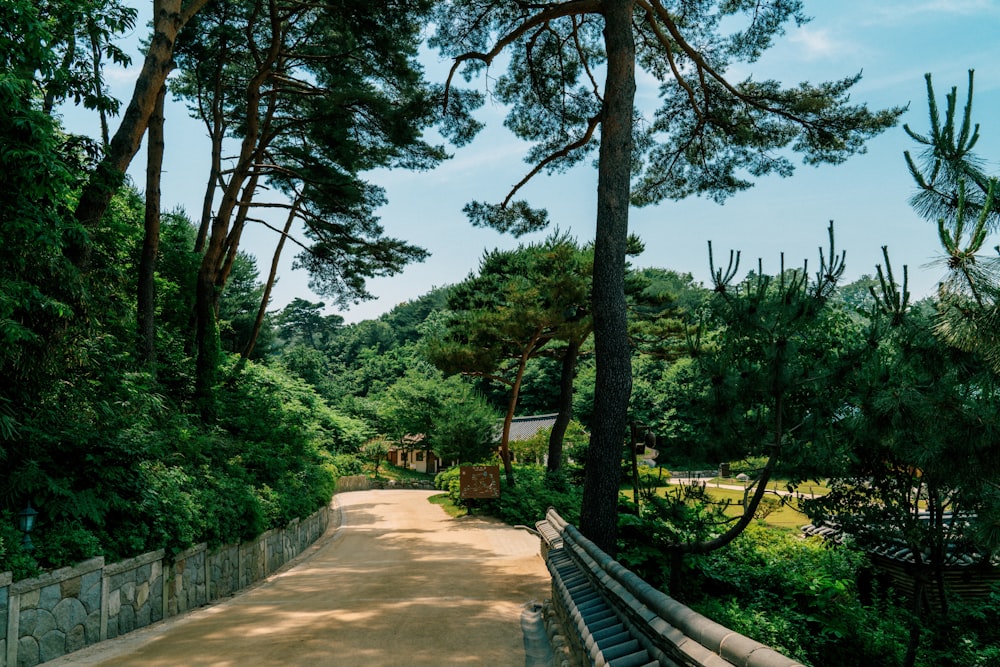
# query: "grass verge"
[453,510]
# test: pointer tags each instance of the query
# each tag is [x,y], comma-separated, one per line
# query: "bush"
[527,501]
[63,543]
[348,464]
[12,558]
[750,466]
[536,491]
[968,637]
[447,481]
[652,477]
[799,596]
[169,507]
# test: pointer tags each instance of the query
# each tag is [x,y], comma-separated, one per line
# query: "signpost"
[479,482]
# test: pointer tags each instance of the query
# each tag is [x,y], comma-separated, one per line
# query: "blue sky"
[894,42]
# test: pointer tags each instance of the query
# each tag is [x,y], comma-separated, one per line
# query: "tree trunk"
[515,392]
[206,333]
[146,296]
[235,233]
[565,415]
[220,240]
[266,298]
[599,513]
[206,297]
[168,19]
[95,50]
[217,132]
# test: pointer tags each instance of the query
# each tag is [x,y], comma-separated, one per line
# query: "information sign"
[479,482]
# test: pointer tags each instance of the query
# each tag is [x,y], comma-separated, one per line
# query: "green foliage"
[709,135]
[534,449]
[302,321]
[348,464]
[918,429]
[81,37]
[799,596]
[68,542]
[358,106]
[684,514]
[38,171]
[448,480]
[169,504]
[520,301]
[374,452]
[818,603]
[238,306]
[749,466]
[455,420]
[653,477]
[118,469]
[12,558]
[970,636]
[525,503]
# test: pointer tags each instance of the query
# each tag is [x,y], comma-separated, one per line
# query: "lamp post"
[26,522]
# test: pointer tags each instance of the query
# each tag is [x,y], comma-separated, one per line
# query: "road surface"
[398,583]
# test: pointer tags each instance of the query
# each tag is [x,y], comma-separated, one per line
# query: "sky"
[892,42]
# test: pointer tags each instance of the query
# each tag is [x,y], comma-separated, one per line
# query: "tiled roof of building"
[956,554]
[522,428]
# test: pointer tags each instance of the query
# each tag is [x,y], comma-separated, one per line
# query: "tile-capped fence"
[603,614]
[62,611]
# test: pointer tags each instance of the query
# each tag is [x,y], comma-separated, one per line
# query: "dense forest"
[152,396]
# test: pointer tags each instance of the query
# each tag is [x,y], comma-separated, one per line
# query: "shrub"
[67,542]
[12,558]
[449,482]
[348,464]
[799,596]
[169,506]
[527,501]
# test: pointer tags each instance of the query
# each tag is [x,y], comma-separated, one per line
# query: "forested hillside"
[152,395]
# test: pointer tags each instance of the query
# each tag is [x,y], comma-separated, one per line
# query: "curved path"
[398,583]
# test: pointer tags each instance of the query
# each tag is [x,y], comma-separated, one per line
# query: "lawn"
[389,471]
[446,503]
[786,516]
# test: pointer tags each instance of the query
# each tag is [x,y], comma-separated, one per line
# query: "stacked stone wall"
[224,572]
[134,594]
[62,611]
[51,615]
[353,483]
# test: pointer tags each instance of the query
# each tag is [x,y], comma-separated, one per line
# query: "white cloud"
[116,75]
[817,44]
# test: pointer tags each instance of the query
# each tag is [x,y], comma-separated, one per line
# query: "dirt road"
[399,583]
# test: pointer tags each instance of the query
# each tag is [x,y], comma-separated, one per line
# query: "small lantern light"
[26,522]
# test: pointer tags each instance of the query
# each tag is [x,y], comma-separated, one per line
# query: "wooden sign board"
[479,482]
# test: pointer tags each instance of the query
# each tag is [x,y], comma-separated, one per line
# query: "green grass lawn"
[389,471]
[453,510]
[786,516]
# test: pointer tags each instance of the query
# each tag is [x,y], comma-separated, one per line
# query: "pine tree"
[709,137]
[955,192]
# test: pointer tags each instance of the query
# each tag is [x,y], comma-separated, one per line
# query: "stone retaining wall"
[353,483]
[64,610]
